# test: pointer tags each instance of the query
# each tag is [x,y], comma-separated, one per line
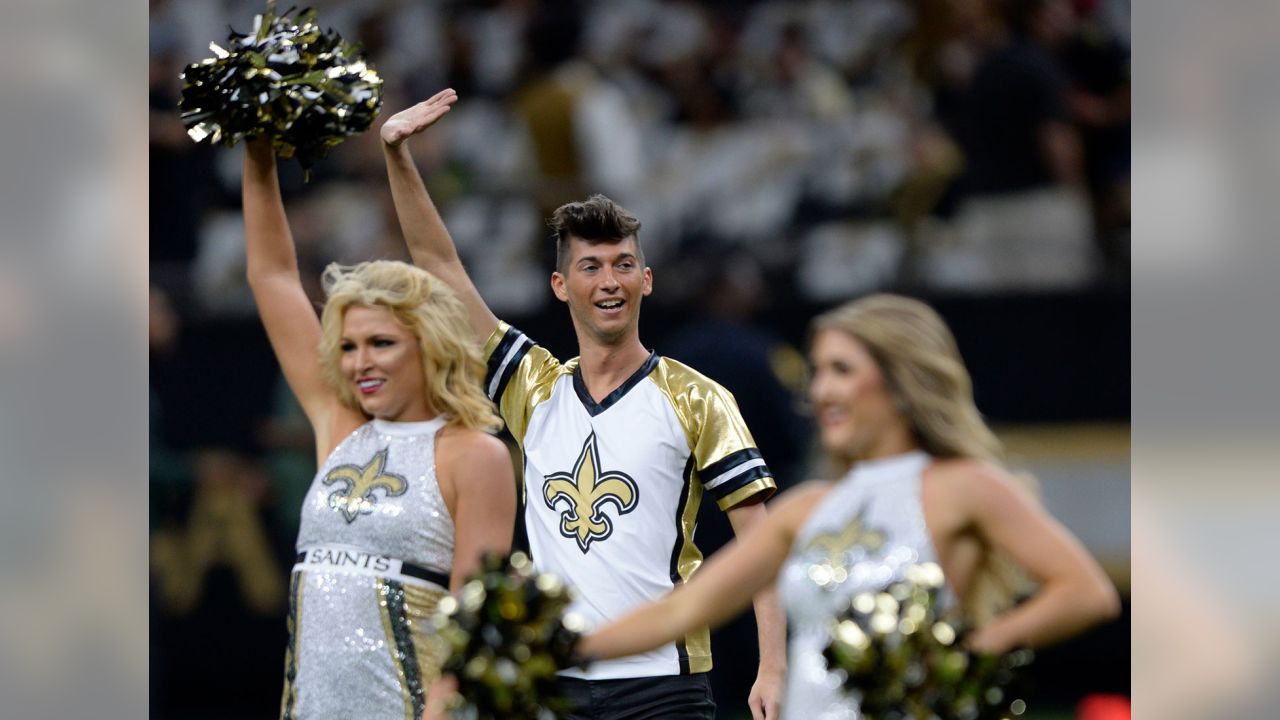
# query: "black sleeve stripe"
[509,339]
[499,376]
[746,477]
[525,346]
[755,473]
[727,463]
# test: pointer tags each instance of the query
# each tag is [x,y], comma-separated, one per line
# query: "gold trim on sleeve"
[764,485]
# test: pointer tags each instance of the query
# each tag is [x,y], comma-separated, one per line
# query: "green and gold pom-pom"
[508,634]
[305,88]
[902,660]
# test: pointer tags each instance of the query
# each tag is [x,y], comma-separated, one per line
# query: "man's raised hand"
[415,119]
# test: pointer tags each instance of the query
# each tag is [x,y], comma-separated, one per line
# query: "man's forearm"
[430,245]
[772,631]
[769,620]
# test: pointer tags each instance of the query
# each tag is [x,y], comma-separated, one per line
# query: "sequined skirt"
[359,646]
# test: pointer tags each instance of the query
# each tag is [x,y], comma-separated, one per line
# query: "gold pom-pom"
[900,659]
[305,88]
[508,635]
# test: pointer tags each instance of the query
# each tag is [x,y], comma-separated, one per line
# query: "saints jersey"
[612,488]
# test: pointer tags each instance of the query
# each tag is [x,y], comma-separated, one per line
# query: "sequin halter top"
[861,536]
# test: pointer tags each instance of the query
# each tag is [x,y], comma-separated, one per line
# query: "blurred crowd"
[961,145]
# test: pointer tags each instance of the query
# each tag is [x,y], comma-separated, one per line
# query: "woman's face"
[854,410]
[381,360]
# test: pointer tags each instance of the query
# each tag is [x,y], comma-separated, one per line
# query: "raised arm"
[286,312]
[429,242]
[717,592]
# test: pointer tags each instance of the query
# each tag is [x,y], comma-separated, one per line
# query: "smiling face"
[603,283]
[382,361]
[855,411]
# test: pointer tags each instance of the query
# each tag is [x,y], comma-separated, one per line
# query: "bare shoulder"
[973,483]
[457,444]
[960,470]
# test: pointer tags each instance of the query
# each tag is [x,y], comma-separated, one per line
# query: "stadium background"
[783,156]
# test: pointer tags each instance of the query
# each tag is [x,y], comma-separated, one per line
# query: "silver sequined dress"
[860,537]
[375,547]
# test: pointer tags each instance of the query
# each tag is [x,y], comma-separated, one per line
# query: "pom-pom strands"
[508,634]
[901,660]
[305,88]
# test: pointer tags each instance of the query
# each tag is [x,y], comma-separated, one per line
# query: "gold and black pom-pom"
[902,660]
[508,635]
[306,88]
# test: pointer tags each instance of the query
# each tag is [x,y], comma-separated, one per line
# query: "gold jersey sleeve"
[725,458]
[520,375]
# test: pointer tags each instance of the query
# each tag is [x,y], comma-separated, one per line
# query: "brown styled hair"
[595,220]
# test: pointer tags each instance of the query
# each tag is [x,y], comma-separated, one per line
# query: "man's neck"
[605,367]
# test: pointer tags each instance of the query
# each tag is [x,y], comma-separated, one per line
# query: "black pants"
[667,697]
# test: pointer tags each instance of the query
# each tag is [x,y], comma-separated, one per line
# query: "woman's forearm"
[650,626]
[268,242]
[1055,613]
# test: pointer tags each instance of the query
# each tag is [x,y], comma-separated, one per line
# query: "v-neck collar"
[595,408]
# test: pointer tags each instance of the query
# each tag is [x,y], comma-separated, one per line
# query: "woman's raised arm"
[286,312]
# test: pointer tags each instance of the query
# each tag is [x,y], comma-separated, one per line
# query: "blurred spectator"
[762,125]
[180,175]
[1016,131]
[1026,223]
[1097,64]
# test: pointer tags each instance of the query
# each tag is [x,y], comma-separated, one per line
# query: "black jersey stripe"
[520,534]
[503,363]
[727,463]
[727,487]
[682,648]
[509,339]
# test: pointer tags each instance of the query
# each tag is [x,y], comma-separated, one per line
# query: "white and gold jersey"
[612,489]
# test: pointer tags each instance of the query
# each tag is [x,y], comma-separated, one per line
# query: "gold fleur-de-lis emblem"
[836,545]
[585,492]
[355,497]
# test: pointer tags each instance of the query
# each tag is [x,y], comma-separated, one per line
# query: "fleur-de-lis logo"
[355,497]
[836,545]
[585,491]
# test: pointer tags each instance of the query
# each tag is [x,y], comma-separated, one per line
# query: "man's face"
[603,283]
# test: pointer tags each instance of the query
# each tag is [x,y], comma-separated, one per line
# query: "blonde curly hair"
[927,379]
[423,304]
